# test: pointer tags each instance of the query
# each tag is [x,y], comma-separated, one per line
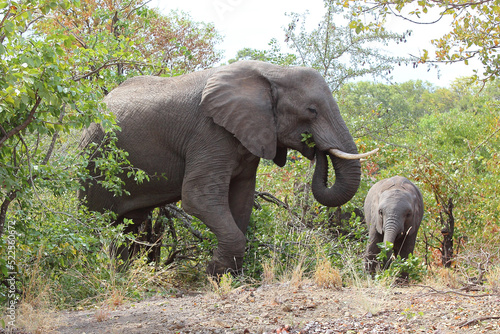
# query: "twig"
[476,320]
[54,137]
[484,141]
[144,243]
[270,198]
[185,218]
[453,291]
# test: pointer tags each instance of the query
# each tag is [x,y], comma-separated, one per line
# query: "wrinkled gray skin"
[206,132]
[393,211]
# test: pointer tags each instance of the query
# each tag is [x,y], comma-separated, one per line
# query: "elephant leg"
[126,250]
[407,246]
[372,250]
[403,247]
[242,197]
[155,234]
[206,197]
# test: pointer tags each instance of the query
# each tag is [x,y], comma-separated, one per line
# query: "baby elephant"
[393,211]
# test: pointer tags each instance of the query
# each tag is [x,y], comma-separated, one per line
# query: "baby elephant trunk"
[392,231]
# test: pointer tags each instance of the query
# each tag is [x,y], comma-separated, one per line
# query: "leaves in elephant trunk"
[347,179]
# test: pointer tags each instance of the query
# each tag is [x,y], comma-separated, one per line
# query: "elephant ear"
[239,98]
[371,209]
[378,219]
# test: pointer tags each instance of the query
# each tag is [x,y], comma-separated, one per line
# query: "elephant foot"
[218,267]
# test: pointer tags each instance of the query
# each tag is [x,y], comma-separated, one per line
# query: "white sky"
[252,23]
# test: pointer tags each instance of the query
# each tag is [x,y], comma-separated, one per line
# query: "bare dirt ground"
[281,308]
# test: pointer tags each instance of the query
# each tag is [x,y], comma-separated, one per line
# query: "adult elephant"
[205,132]
[394,209]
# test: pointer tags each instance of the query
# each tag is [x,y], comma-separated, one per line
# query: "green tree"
[446,140]
[378,110]
[183,45]
[175,42]
[336,51]
[273,55]
[474,28]
[57,61]
[50,86]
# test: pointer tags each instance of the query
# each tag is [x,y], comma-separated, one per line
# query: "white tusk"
[350,156]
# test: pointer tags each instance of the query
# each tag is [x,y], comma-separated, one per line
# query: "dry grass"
[102,314]
[268,274]
[115,288]
[116,298]
[36,319]
[325,276]
[35,313]
[493,279]
[297,276]
[222,287]
[446,277]
[369,305]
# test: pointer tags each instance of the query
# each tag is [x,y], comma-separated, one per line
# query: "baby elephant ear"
[239,98]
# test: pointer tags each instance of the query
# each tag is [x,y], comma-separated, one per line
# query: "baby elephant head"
[398,214]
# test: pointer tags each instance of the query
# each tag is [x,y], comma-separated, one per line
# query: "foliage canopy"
[474,28]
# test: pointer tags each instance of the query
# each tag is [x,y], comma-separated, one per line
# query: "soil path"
[280,308]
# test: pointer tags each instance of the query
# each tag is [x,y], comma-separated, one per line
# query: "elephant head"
[396,212]
[268,108]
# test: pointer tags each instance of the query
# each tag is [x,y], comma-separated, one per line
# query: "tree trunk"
[447,232]
[3,210]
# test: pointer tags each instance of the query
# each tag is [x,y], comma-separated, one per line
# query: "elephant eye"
[313,111]
[380,212]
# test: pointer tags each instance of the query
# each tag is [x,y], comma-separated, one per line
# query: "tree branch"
[475,320]
[484,141]
[82,43]
[185,218]
[452,291]
[54,139]
[107,64]
[6,16]
[270,198]
[22,126]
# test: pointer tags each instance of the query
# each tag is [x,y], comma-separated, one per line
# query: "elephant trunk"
[347,178]
[390,234]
